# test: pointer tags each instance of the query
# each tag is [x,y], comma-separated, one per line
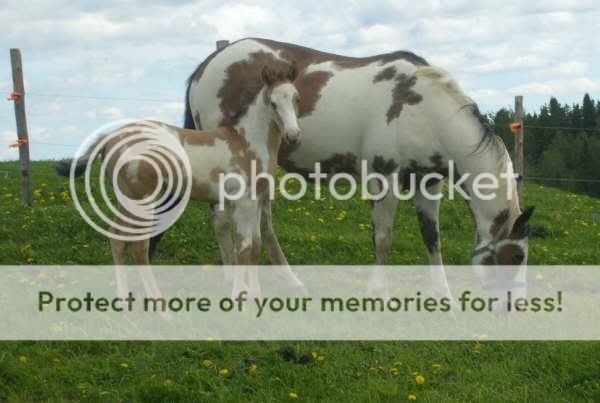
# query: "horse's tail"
[63,168]
[188,120]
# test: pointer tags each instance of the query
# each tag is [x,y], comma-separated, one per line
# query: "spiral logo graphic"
[150,175]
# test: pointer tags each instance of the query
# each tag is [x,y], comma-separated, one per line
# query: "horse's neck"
[259,129]
[505,205]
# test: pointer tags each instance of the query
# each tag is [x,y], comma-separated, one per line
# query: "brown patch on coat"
[243,83]
[402,94]
[414,168]
[383,166]
[309,89]
[384,75]
[508,255]
[304,55]
[498,222]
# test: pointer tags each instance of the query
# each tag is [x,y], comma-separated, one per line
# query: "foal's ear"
[266,76]
[292,71]
[521,227]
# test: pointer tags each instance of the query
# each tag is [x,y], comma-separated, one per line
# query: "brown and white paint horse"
[229,149]
[393,110]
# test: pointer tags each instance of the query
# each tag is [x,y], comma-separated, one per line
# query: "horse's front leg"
[383,213]
[428,211]
[293,286]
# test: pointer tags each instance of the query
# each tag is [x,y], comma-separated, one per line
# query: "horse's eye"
[518,259]
[273,105]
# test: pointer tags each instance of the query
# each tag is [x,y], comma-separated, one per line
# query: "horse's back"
[350,108]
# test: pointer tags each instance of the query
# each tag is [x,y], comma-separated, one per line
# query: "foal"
[212,154]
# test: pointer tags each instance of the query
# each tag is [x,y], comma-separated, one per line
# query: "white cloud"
[111,112]
[233,20]
[578,85]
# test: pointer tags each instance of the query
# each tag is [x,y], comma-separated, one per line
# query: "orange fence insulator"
[14,96]
[515,127]
[18,144]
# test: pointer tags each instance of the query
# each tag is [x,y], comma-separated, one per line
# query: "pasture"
[322,231]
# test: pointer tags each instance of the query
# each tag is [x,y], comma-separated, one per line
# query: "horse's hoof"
[378,292]
[296,291]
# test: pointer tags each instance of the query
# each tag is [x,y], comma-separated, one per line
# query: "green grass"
[317,232]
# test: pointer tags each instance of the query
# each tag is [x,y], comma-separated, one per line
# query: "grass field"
[317,232]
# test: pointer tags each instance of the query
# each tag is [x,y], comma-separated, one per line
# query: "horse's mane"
[444,80]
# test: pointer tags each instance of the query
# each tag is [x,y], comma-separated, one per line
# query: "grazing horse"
[394,111]
[247,149]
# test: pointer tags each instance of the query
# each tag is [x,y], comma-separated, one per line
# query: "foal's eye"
[273,105]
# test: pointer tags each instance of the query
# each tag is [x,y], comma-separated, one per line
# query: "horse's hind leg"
[428,215]
[383,213]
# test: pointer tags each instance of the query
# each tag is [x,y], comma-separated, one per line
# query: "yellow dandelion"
[293,395]
[253,369]
[412,397]
[477,347]
[394,371]
[168,382]
[436,366]
[313,238]
[56,361]
[321,220]
[124,365]
[23,359]
[207,363]
[397,363]
[307,213]
[224,372]
[372,370]
[314,355]
[321,358]
[420,379]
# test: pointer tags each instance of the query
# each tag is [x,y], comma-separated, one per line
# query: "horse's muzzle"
[292,137]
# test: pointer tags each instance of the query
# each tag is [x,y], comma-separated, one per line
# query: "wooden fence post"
[23,143]
[222,43]
[519,115]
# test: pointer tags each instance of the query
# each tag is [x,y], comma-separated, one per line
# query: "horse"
[247,148]
[396,112]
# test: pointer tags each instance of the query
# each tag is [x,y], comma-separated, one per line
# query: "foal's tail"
[63,168]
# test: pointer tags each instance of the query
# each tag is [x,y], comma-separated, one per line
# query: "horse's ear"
[266,76]
[521,227]
[292,71]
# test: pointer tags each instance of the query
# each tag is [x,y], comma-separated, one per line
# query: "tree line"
[551,151]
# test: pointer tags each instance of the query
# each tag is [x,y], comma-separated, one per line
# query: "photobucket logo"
[131,154]
[373,185]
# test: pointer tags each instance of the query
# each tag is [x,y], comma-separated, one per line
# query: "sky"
[146,49]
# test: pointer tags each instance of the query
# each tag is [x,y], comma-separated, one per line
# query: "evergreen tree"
[589,113]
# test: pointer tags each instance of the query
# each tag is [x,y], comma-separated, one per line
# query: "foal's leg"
[119,252]
[383,213]
[221,221]
[428,216]
[276,256]
[140,250]
[246,217]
